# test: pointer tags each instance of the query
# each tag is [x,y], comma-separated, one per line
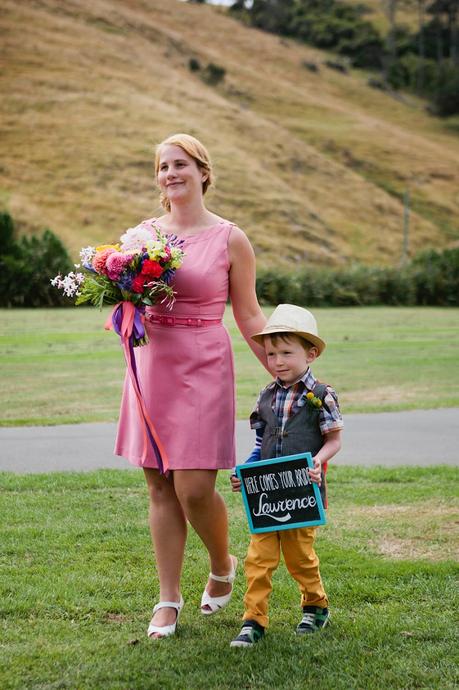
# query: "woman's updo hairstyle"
[195,150]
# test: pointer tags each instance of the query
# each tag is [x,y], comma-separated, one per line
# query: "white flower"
[69,284]
[87,254]
[135,239]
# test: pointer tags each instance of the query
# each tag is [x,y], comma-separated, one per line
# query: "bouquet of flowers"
[136,270]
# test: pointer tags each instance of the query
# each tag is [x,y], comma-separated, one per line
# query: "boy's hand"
[235,482]
[315,472]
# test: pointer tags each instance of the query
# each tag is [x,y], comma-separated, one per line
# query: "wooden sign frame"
[278,494]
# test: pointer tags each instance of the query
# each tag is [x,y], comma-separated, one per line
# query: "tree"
[26,266]
[445,19]
[390,8]
[421,46]
[272,15]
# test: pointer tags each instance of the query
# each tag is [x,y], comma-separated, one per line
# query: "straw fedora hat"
[288,318]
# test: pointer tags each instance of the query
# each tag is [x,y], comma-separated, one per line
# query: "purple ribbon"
[138,329]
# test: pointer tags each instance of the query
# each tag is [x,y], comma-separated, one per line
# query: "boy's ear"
[312,354]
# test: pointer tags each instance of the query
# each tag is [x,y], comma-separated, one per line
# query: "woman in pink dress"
[187,378]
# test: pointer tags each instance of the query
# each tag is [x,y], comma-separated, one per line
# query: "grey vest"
[300,434]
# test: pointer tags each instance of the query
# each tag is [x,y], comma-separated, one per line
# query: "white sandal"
[217,603]
[165,630]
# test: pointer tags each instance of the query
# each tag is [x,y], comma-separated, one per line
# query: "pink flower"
[99,262]
[167,252]
[116,263]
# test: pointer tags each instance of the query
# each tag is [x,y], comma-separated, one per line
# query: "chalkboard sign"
[278,494]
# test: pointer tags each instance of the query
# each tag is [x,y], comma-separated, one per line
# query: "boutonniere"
[313,401]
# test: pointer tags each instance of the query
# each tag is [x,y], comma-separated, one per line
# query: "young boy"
[294,414]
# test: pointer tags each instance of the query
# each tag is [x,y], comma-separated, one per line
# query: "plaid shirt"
[288,400]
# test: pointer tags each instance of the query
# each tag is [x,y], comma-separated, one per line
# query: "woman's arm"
[247,313]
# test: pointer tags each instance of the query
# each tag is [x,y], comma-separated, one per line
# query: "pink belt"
[166,320]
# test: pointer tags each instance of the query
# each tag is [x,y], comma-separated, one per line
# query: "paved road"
[420,437]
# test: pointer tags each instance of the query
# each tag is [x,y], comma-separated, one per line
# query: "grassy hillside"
[312,165]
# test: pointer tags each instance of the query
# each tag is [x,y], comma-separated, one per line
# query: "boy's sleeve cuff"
[254,456]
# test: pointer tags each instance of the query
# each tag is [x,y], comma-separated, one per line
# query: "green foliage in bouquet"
[99,290]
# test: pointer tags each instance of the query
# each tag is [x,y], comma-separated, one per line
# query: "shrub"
[432,278]
[194,65]
[213,74]
[396,287]
[274,287]
[311,66]
[26,266]
[438,82]
[446,96]
[377,84]
[338,66]
[435,277]
[7,242]
[412,72]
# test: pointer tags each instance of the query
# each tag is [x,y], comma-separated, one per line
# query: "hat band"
[269,329]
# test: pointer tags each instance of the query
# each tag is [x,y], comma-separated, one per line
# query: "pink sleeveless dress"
[186,372]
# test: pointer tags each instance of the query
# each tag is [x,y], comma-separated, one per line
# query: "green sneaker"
[314,619]
[251,633]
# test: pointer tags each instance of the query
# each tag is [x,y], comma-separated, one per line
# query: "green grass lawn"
[60,366]
[78,585]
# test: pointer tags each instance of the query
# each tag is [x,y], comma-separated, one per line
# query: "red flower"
[152,269]
[138,283]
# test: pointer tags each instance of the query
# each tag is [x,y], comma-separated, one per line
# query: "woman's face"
[179,176]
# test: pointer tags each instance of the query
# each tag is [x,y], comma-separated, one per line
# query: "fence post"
[406,226]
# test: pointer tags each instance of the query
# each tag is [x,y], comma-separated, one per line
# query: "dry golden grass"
[428,531]
[311,165]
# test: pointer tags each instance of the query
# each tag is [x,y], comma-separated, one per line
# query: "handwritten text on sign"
[278,494]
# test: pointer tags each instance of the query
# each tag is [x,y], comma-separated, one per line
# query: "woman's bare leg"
[168,531]
[206,511]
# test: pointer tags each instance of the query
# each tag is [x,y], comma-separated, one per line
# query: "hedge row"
[432,278]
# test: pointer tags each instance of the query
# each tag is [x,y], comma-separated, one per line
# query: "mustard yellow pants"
[262,560]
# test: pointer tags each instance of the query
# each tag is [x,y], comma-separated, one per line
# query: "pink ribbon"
[125,327]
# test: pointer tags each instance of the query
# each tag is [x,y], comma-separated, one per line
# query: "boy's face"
[287,358]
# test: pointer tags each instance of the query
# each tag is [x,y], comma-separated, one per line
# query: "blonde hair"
[198,153]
